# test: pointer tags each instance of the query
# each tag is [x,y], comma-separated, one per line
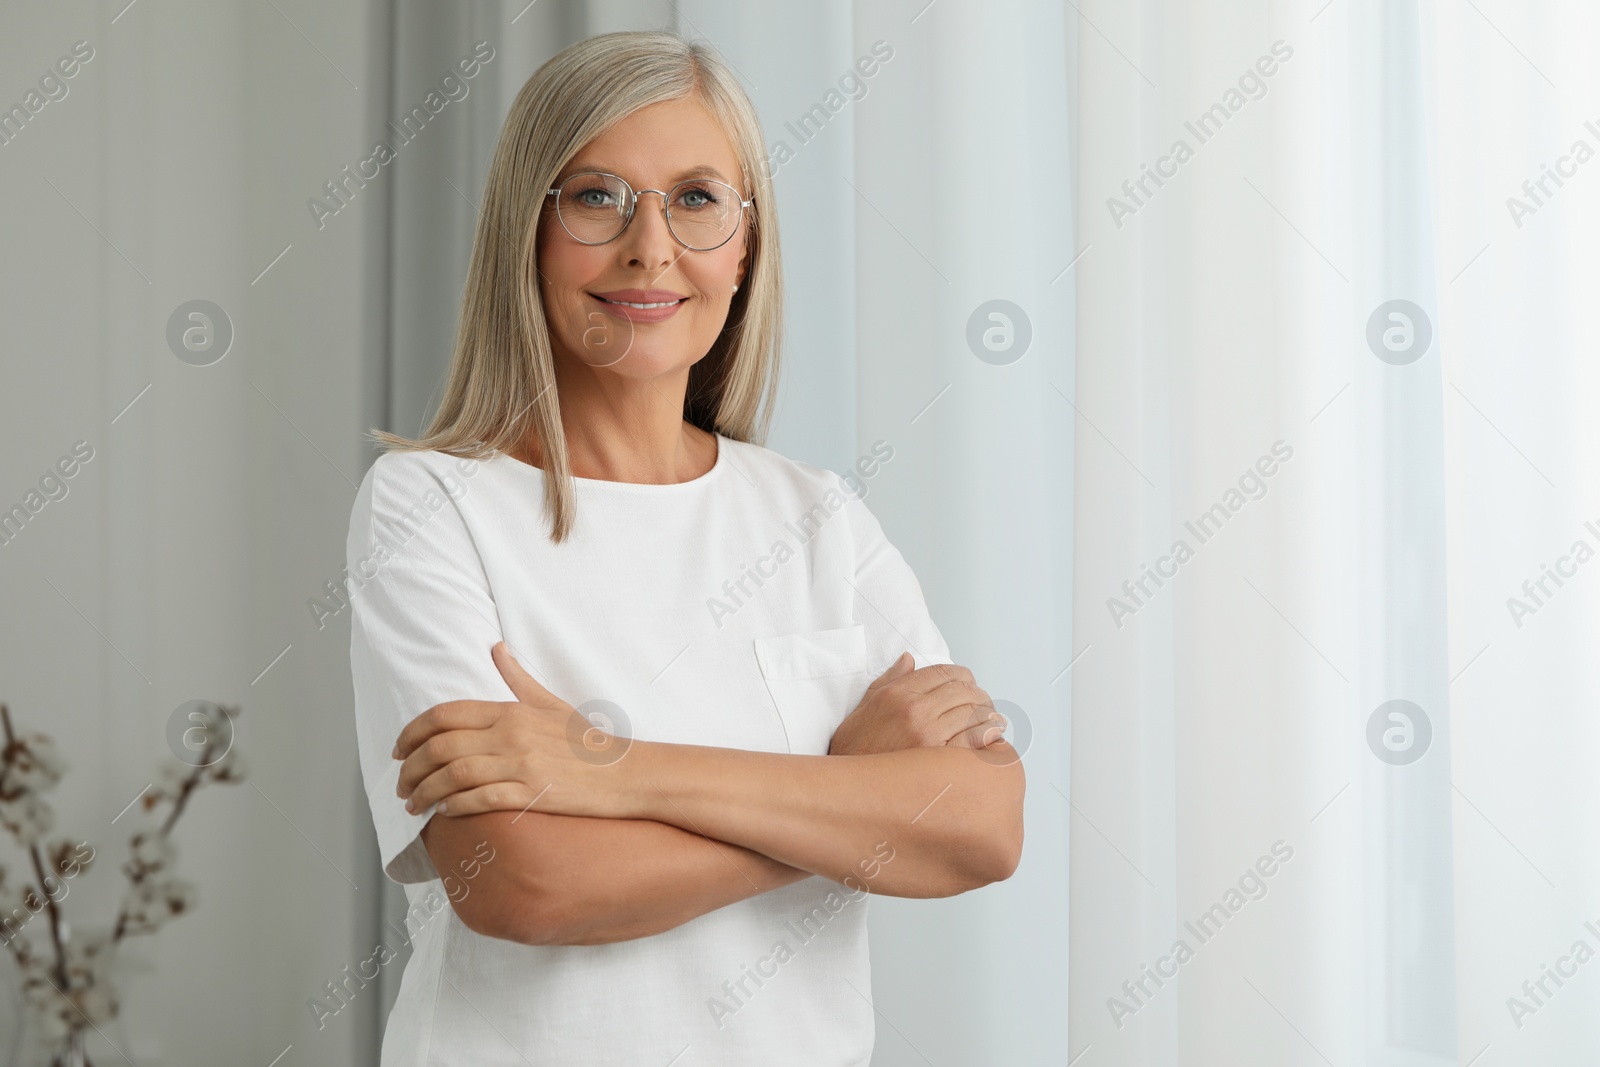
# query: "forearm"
[574,880]
[952,815]
[605,880]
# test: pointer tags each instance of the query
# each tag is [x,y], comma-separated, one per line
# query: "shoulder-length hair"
[502,370]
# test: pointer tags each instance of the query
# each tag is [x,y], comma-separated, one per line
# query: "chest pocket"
[815,678]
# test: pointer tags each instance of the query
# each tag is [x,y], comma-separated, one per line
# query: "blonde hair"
[502,369]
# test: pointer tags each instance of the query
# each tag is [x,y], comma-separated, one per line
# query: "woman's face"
[654,148]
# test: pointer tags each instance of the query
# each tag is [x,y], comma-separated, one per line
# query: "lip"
[640,296]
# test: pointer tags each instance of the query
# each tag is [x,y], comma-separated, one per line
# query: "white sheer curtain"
[1189,362]
[895,228]
[1226,706]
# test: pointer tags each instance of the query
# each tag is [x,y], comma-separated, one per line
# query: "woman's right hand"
[904,708]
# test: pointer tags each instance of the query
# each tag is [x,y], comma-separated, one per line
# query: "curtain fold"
[1323,658]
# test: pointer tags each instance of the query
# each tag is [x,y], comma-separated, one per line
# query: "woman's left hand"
[472,756]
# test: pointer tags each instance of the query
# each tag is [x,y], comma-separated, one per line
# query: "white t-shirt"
[746,608]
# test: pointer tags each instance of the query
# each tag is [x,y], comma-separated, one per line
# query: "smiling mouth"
[646,307]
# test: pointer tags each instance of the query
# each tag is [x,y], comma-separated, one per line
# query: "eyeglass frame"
[633,203]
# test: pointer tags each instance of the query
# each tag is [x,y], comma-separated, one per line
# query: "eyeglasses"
[595,207]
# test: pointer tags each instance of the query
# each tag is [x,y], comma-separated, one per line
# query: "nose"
[647,241]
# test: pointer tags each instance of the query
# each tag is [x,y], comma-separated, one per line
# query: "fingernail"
[396,753]
[411,807]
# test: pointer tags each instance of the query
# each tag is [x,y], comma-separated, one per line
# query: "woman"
[684,880]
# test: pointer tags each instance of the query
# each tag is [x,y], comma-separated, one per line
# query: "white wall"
[182,559]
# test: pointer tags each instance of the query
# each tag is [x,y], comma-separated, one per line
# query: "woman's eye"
[697,198]
[594,197]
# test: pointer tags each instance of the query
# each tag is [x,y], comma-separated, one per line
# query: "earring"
[736,287]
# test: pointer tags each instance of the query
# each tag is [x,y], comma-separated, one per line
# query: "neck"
[623,429]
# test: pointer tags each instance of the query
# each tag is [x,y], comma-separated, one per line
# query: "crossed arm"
[600,851]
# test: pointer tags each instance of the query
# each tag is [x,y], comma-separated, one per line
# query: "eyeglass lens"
[702,213]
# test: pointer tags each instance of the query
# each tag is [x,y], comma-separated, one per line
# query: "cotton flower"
[140,897]
[47,1015]
[19,902]
[230,768]
[90,953]
[67,858]
[169,783]
[14,912]
[149,904]
[39,982]
[142,909]
[99,1002]
[151,852]
[59,1006]
[28,818]
[32,764]
[179,896]
[90,956]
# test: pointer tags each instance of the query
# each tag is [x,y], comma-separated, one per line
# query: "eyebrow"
[701,171]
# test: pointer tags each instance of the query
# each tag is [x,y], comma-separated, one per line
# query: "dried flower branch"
[69,989]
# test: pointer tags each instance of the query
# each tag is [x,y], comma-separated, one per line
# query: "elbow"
[988,847]
[525,916]
[980,863]
[997,859]
[1002,853]
[1008,856]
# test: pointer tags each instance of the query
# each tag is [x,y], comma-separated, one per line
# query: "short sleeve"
[888,598]
[422,624]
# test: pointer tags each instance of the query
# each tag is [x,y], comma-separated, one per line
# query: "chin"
[648,361]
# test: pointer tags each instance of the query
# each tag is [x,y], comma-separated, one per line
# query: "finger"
[936,674]
[898,669]
[970,726]
[523,685]
[452,715]
[496,796]
[438,751]
[952,694]
[980,735]
[458,776]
